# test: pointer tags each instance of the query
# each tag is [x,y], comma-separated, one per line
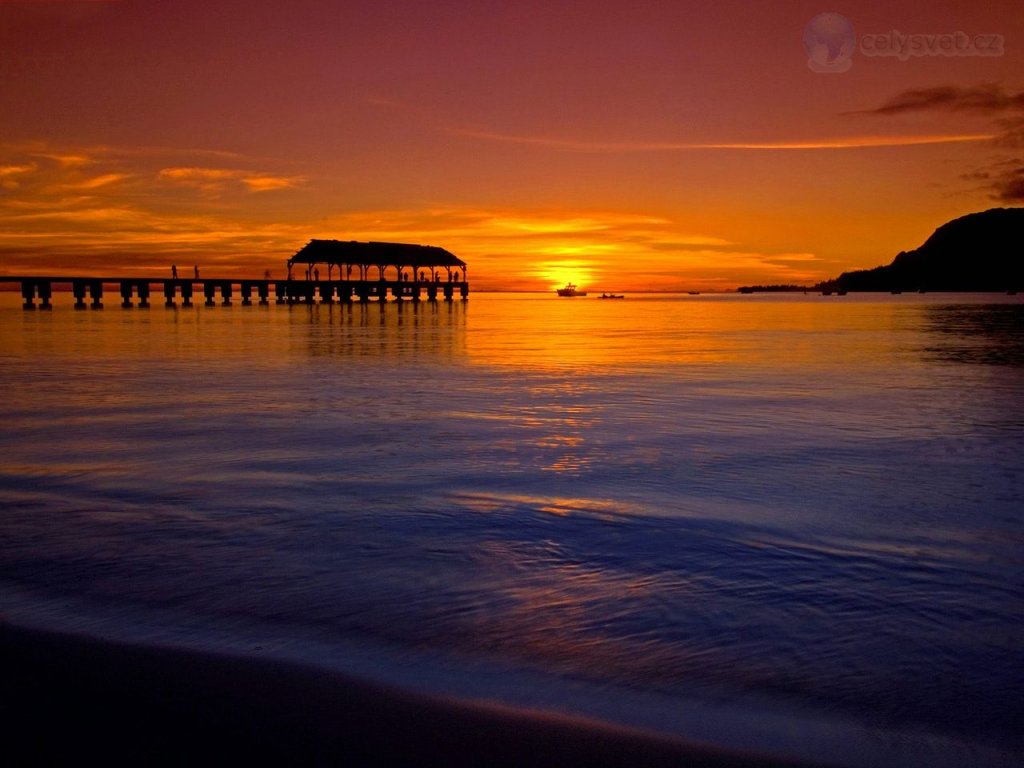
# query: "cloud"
[265,182]
[574,144]
[214,181]
[9,172]
[984,99]
[847,142]
[137,209]
[98,181]
[1004,180]
[79,205]
[1009,187]
[526,249]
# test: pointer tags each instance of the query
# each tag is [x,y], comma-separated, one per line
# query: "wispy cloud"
[847,142]
[1004,179]
[124,208]
[98,181]
[984,99]
[531,249]
[66,204]
[9,175]
[215,180]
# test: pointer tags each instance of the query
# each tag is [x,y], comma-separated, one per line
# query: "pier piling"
[37,292]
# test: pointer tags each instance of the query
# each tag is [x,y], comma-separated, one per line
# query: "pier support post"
[186,294]
[44,291]
[143,291]
[263,289]
[96,294]
[464,291]
[28,293]
[169,293]
[78,291]
[246,290]
[281,291]
[225,294]
[432,292]
[126,295]
[209,291]
[449,291]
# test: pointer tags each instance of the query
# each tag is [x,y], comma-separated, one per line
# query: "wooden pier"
[419,271]
[89,292]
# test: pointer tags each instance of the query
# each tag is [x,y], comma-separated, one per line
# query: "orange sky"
[626,146]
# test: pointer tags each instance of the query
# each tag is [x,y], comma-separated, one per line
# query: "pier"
[364,272]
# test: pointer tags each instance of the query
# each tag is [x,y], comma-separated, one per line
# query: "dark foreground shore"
[68,700]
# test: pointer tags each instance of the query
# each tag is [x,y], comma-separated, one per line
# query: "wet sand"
[67,699]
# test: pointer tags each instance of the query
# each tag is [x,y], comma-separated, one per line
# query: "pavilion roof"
[375,254]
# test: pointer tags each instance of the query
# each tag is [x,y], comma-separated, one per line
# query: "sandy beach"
[68,699]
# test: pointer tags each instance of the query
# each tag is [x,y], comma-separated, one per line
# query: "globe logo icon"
[829,41]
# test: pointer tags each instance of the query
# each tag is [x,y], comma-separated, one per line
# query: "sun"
[555,274]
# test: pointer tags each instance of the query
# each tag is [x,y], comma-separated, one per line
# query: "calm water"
[791,523]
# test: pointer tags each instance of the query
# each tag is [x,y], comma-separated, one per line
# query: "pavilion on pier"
[355,261]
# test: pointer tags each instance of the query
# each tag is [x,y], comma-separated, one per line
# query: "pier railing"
[137,289]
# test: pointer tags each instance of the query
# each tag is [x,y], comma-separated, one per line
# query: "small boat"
[570,290]
[611,296]
[693,293]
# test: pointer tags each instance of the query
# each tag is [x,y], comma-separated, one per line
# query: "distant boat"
[610,296]
[570,290]
[694,293]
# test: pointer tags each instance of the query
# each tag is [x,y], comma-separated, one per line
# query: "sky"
[644,145]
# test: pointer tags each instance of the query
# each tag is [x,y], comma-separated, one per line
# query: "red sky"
[627,146]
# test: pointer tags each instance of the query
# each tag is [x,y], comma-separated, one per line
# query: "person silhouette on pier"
[174,271]
[196,270]
[316,274]
[266,274]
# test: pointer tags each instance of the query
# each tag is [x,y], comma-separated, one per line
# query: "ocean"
[786,523]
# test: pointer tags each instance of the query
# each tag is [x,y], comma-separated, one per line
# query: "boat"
[571,290]
[611,296]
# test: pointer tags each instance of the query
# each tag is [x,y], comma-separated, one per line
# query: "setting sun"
[557,274]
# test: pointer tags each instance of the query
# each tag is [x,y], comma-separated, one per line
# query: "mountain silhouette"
[977,252]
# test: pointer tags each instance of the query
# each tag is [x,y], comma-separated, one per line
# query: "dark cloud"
[1004,179]
[981,99]
[1010,186]
[1011,131]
